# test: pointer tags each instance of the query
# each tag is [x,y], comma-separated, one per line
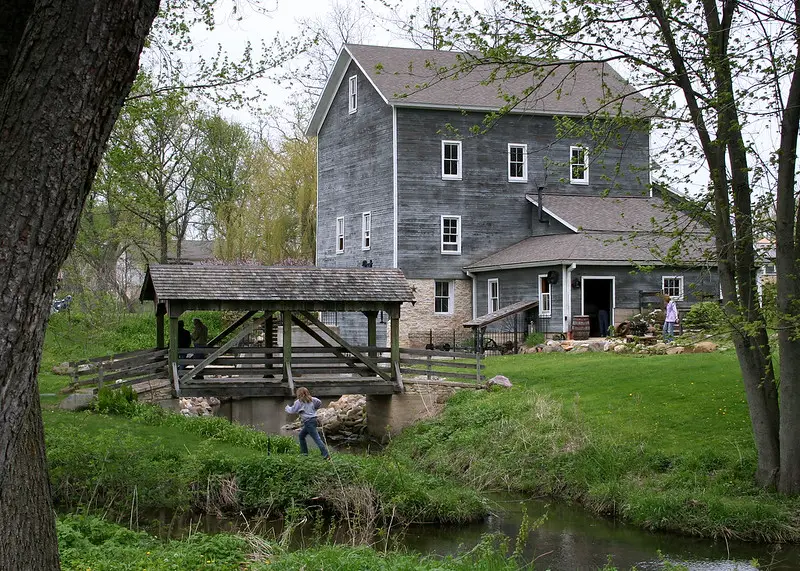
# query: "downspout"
[568,297]
[474,294]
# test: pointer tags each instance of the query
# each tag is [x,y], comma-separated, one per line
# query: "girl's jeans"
[310,429]
[669,330]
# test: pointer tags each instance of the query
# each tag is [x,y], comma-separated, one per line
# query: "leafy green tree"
[715,74]
[154,164]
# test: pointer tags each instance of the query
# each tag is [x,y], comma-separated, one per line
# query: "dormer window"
[578,165]
[353,94]
[517,163]
[451,160]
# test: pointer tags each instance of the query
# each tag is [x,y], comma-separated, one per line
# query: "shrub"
[113,400]
[704,315]
[535,338]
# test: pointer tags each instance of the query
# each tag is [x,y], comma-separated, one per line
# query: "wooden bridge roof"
[280,287]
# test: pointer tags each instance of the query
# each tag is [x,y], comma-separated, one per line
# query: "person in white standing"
[670,319]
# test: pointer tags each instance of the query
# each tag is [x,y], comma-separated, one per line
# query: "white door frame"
[613,293]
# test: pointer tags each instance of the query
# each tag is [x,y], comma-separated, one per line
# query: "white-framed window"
[517,162]
[366,229]
[451,160]
[493,294]
[578,165]
[672,286]
[451,234]
[545,306]
[352,94]
[442,297]
[340,235]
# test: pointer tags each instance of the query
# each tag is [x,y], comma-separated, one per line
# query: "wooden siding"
[494,212]
[355,175]
[521,284]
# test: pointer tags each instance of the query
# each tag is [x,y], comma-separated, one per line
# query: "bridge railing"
[450,365]
[257,361]
[118,369]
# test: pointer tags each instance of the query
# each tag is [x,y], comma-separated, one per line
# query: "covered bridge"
[296,294]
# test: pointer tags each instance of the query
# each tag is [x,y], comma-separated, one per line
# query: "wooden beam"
[176,385]
[287,349]
[372,330]
[161,310]
[351,348]
[233,326]
[221,349]
[173,340]
[328,345]
[395,345]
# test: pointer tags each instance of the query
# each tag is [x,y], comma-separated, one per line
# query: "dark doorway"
[598,304]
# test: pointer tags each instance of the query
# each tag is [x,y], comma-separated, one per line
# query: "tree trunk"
[787,239]
[71,68]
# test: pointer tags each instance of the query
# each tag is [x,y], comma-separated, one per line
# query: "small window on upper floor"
[340,235]
[578,165]
[451,234]
[672,286]
[493,295]
[353,94]
[366,230]
[451,160]
[517,162]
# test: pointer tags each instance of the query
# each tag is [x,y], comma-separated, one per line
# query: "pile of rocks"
[342,420]
[198,406]
[620,346]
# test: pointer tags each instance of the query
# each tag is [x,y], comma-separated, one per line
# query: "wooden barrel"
[580,327]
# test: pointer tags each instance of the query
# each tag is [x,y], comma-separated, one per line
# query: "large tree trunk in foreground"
[67,66]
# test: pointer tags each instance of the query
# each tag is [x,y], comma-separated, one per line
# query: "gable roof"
[274,283]
[606,230]
[411,77]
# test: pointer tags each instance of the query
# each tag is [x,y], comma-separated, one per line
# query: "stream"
[571,539]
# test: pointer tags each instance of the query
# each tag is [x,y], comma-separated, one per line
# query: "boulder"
[705,347]
[621,349]
[556,348]
[675,350]
[498,381]
[62,369]
[77,401]
[581,349]
[596,347]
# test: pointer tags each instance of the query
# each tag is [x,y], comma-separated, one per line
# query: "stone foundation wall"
[416,321]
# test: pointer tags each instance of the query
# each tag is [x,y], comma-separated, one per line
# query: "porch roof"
[502,313]
[602,248]
[283,287]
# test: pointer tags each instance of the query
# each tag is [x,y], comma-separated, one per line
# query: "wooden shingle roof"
[274,284]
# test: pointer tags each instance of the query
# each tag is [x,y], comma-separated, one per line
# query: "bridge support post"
[372,331]
[161,310]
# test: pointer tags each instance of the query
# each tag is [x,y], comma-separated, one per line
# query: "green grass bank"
[663,442]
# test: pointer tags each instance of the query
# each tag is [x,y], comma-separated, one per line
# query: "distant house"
[525,210]
[192,252]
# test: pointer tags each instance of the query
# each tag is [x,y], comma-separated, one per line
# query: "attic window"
[353,94]
[578,165]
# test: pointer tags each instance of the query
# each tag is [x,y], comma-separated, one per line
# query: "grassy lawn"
[663,442]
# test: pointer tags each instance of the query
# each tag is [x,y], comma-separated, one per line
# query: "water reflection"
[569,539]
